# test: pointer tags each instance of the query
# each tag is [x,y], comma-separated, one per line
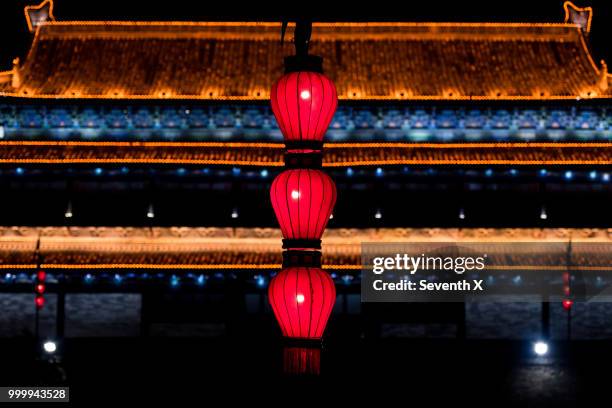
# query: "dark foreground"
[495,373]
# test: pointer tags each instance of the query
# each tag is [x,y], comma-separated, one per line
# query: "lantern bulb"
[299,298]
[50,347]
[295,194]
[305,94]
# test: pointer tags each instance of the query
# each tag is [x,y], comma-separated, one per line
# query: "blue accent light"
[125,170]
[98,171]
[261,281]
[569,175]
[264,173]
[174,281]
[379,172]
[605,177]
[181,171]
[513,172]
[88,278]
[593,175]
[19,170]
[349,171]
[201,280]
[236,171]
[488,172]
[543,172]
[118,279]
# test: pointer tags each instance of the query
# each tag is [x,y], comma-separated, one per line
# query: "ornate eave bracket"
[581,16]
[38,14]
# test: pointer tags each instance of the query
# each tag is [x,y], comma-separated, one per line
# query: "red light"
[40,288]
[301,360]
[40,301]
[567,304]
[304,104]
[302,299]
[41,276]
[303,200]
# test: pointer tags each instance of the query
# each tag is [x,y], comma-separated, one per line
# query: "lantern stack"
[303,196]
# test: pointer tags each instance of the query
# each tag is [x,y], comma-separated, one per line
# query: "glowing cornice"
[270,154]
[589,10]
[253,31]
[29,9]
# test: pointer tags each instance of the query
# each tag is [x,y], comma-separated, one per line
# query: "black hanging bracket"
[301,61]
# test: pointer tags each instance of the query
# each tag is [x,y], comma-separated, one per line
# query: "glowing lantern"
[39,301]
[304,104]
[302,299]
[303,200]
[567,304]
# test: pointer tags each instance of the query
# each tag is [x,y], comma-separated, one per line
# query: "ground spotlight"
[540,348]
[49,347]
[68,212]
[150,211]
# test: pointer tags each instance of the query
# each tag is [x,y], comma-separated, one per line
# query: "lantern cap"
[296,63]
[293,243]
[303,160]
[303,342]
[301,258]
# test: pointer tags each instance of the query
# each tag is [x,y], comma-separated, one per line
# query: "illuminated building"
[122,131]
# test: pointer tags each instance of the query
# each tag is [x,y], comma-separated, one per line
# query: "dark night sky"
[16,39]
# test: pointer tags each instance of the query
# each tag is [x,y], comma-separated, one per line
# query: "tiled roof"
[255,248]
[367,61]
[336,154]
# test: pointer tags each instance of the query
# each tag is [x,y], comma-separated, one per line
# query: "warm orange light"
[28,9]
[443,89]
[589,10]
[341,154]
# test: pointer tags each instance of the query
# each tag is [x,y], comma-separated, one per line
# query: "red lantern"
[303,200]
[567,304]
[39,301]
[302,299]
[304,104]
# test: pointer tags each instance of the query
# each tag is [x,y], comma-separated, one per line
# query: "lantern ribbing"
[303,101]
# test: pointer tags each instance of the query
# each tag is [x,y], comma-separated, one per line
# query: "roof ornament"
[16,76]
[581,16]
[38,14]
[301,61]
[603,76]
